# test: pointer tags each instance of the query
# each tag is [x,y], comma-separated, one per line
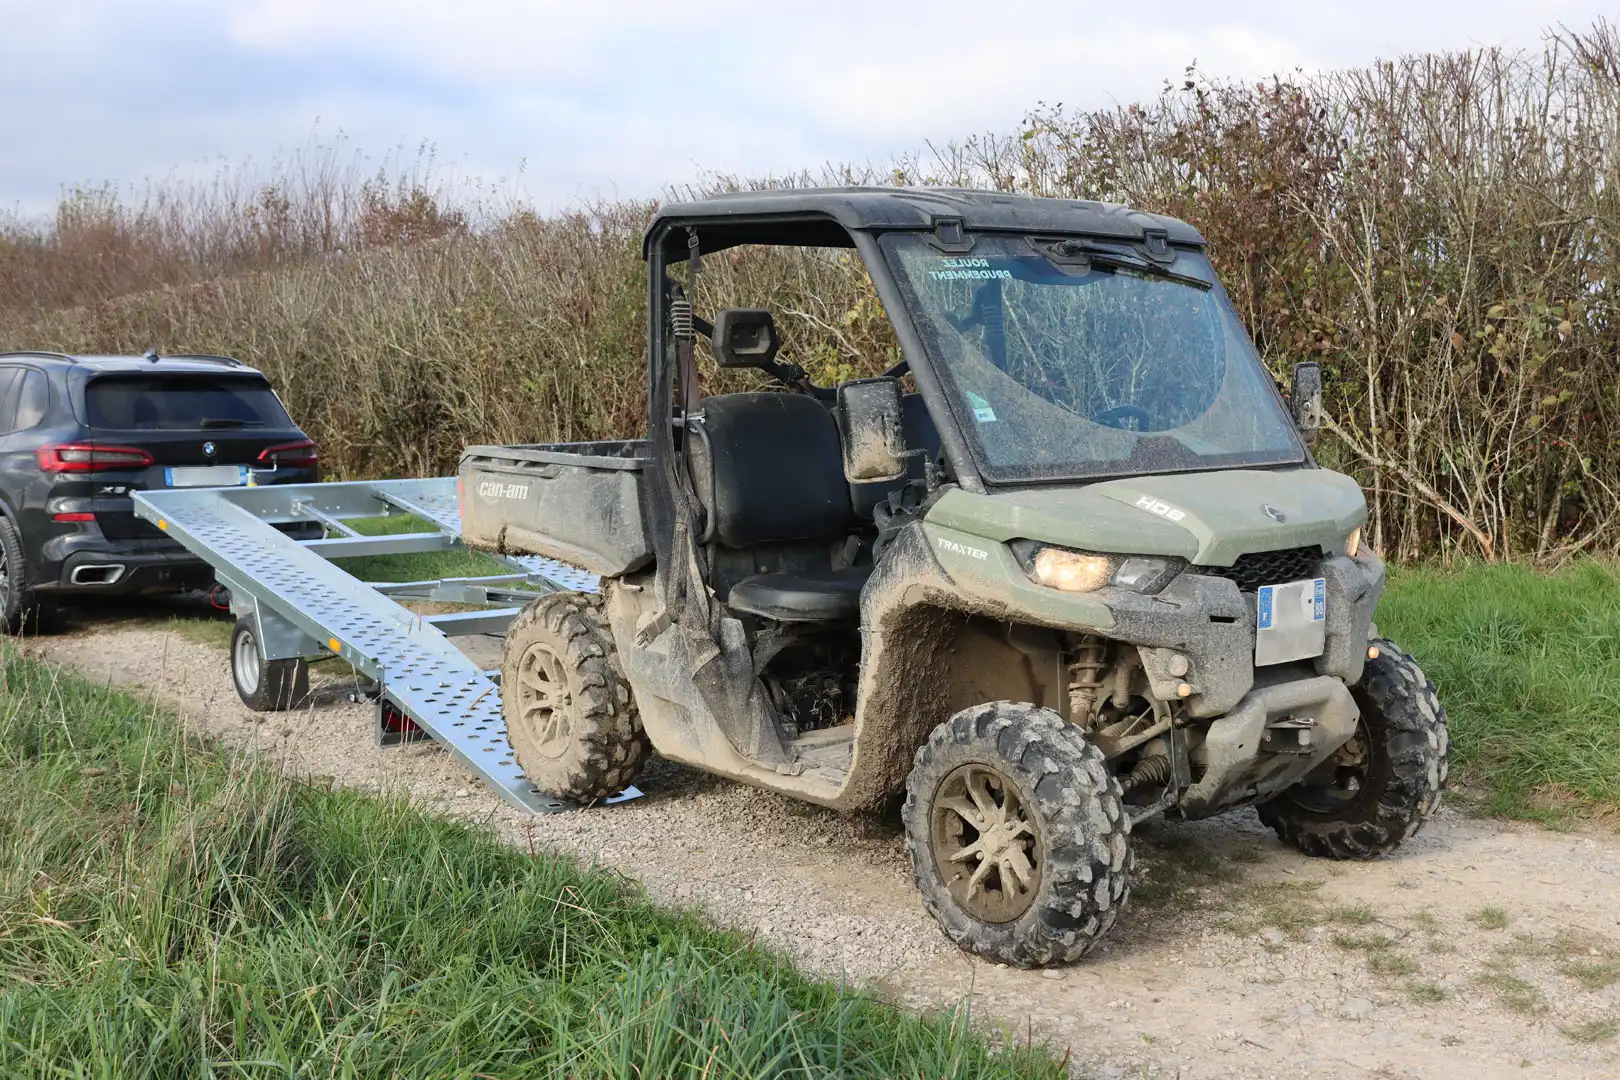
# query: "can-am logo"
[1158,506]
[494,489]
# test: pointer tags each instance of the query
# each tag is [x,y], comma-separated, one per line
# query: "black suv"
[79,433]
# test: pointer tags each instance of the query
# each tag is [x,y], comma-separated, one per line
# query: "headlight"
[1352,546]
[1071,571]
[1082,571]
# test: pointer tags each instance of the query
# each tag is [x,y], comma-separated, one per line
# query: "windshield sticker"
[968,270]
[982,412]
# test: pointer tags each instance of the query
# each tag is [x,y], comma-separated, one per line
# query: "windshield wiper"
[228,422]
[1073,251]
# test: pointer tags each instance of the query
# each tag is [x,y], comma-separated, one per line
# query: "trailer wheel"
[1018,835]
[265,685]
[569,714]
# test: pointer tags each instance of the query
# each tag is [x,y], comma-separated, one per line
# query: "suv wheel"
[21,608]
[569,716]
[265,685]
[1383,784]
[1018,835]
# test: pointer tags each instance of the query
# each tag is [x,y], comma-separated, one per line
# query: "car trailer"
[303,608]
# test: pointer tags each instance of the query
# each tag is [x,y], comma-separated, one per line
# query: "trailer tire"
[265,685]
[1037,777]
[1397,761]
[569,715]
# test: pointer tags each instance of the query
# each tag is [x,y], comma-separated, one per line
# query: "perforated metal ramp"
[417,667]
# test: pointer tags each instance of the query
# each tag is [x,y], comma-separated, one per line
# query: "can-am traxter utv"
[1084,573]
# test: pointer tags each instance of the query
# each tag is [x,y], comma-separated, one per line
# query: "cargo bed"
[581,503]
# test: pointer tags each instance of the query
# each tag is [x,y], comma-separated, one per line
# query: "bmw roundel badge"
[208,449]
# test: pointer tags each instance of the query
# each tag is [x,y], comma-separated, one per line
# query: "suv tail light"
[303,452]
[88,457]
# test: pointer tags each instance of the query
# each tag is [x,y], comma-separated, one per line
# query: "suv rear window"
[170,403]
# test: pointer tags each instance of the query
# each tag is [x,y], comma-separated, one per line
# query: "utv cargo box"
[578,502]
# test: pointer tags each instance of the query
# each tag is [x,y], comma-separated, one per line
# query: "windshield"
[182,403]
[1075,359]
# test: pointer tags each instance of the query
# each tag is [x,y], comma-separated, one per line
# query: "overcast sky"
[620,97]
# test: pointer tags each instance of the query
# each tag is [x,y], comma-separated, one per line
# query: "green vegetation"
[423,566]
[169,910]
[1528,666]
[1514,993]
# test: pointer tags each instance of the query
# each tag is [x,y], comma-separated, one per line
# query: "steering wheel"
[1115,414]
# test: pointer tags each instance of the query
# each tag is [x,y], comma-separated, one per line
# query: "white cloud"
[622,96]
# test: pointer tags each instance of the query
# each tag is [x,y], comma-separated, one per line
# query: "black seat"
[771,476]
[831,596]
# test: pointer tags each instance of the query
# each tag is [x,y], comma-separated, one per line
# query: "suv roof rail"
[231,360]
[40,353]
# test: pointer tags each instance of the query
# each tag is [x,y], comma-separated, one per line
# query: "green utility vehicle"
[1067,566]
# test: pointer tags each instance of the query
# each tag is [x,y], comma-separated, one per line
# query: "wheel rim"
[544,698]
[986,844]
[247,664]
[5,582]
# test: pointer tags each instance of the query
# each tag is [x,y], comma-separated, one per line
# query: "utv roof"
[824,217]
[151,362]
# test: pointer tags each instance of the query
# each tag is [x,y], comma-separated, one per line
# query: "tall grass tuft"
[169,909]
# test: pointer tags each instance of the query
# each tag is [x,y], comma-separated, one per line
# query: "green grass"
[1528,667]
[170,910]
[423,566]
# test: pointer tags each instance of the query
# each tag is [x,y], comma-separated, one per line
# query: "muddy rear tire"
[1018,835]
[568,710]
[1386,782]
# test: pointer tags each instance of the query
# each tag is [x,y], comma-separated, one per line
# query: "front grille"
[1268,567]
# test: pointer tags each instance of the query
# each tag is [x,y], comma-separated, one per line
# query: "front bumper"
[1211,623]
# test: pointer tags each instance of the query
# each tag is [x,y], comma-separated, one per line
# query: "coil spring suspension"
[1085,677]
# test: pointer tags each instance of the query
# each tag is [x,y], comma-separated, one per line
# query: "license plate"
[1290,621]
[206,476]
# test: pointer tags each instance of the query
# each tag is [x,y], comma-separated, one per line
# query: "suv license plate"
[1290,621]
[206,476]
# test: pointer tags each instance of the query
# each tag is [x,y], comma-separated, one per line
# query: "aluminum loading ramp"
[305,607]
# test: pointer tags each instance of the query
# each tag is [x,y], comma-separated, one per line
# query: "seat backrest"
[775,470]
[920,435]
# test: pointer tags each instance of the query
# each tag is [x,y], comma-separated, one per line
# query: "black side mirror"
[744,338]
[1305,399]
[869,421]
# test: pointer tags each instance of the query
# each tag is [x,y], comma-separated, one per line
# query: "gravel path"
[1482,950]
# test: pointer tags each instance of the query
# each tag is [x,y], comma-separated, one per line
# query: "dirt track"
[1286,967]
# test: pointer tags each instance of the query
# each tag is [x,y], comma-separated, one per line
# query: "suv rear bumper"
[88,564]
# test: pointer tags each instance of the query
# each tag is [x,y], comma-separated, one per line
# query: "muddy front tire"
[1386,782]
[569,715]
[1018,835]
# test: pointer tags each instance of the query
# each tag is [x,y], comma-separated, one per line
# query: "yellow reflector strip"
[164,525]
[334,645]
